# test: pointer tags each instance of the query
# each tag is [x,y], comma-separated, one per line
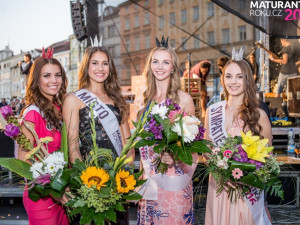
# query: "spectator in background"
[255,68]
[221,64]
[26,70]
[3,102]
[187,68]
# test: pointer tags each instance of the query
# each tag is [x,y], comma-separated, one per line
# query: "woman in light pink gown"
[239,113]
[167,199]
[44,94]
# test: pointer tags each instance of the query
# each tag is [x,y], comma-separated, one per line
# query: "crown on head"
[49,54]
[237,55]
[162,43]
[96,43]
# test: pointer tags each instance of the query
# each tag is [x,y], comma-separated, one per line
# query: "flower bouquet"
[102,185]
[171,130]
[46,172]
[244,162]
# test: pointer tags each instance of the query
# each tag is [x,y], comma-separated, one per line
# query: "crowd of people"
[16,104]
[48,105]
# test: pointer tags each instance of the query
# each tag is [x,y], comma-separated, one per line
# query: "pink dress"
[46,210]
[170,207]
[219,209]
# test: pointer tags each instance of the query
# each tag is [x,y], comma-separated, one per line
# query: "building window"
[137,43]
[137,21]
[146,3]
[127,42]
[172,18]
[111,31]
[242,33]
[161,22]
[127,9]
[196,12]
[173,43]
[147,18]
[183,16]
[160,2]
[242,4]
[210,9]
[127,24]
[225,36]
[196,41]
[136,6]
[211,38]
[184,43]
[147,41]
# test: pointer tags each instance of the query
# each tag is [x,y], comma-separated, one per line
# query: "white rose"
[161,110]
[190,128]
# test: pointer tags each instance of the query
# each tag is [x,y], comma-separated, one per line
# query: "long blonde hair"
[111,84]
[174,84]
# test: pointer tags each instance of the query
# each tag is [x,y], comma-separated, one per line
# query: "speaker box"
[293,96]
[78,20]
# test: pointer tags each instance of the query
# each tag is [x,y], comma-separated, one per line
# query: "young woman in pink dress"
[165,203]
[241,112]
[44,94]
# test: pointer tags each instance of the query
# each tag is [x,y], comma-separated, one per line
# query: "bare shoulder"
[263,114]
[72,101]
[186,102]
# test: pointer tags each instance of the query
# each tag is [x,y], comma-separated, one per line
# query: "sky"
[30,24]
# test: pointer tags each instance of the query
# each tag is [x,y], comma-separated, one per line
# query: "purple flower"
[6,111]
[168,102]
[177,107]
[200,134]
[155,129]
[244,158]
[43,179]
[11,130]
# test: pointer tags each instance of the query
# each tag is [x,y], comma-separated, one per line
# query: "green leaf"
[79,203]
[199,147]
[132,196]
[249,167]
[144,142]
[252,180]
[36,192]
[99,218]
[64,143]
[138,174]
[183,155]
[134,123]
[18,166]
[118,206]
[239,139]
[87,215]
[79,165]
[105,192]
[61,180]
[170,135]
[140,182]
[160,147]
[145,134]
[111,215]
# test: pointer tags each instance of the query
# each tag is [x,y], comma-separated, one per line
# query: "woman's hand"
[167,158]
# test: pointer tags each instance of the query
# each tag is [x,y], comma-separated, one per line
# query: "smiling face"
[98,67]
[161,65]
[50,80]
[234,80]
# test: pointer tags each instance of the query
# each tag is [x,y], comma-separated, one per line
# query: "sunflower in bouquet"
[46,174]
[240,163]
[170,129]
[102,184]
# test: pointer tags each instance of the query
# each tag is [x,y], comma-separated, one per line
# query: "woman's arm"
[265,124]
[71,108]
[186,102]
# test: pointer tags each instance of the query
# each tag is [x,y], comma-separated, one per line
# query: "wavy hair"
[174,84]
[36,97]
[248,111]
[111,84]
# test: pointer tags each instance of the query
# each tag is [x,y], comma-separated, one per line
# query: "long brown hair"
[111,84]
[174,84]
[248,111]
[35,96]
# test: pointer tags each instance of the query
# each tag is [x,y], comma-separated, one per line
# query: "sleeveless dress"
[171,207]
[219,209]
[85,131]
[46,210]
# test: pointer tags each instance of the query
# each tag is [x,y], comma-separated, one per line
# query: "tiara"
[49,53]
[237,55]
[162,43]
[96,43]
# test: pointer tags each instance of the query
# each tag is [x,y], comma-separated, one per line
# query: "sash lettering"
[216,122]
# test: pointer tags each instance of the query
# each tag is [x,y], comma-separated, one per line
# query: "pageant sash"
[149,190]
[105,115]
[217,130]
[254,199]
